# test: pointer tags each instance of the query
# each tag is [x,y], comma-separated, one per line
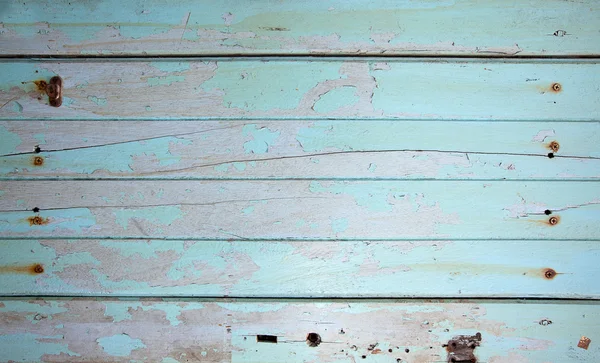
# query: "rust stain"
[41,85]
[37,161]
[38,221]
[584,342]
[549,273]
[376,351]
[34,269]
[554,146]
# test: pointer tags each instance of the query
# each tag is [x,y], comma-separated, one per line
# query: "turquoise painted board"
[302,209]
[416,331]
[280,269]
[393,27]
[300,150]
[435,89]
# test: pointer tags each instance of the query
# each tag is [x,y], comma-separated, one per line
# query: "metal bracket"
[54,91]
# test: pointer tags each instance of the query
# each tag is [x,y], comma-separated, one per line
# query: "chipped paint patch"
[121,311]
[99,101]
[165,80]
[170,67]
[336,98]
[373,197]
[28,347]
[120,345]
[262,139]
[162,215]
[339,225]
[10,141]
[144,249]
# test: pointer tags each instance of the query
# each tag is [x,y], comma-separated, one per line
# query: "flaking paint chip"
[584,342]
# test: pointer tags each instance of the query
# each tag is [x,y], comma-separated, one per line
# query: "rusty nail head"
[38,161]
[38,269]
[556,87]
[584,342]
[554,145]
[550,273]
[553,221]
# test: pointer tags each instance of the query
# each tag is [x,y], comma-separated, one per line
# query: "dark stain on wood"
[41,85]
[33,269]
[461,348]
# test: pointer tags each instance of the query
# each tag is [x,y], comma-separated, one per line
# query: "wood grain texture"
[300,269]
[437,89]
[300,150]
[351,331]
[201,27]
[298,209]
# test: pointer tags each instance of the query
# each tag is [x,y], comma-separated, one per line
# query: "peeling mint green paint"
[123,285]
[300,223]
[222,167]
[59,326]
[36,310]
[372,167]
[170,67]
[8,141]
[262,139]
[336,99]
[248,210]
[278,86]
[374,197]
[73,220]
[253,307]
[120,345]
[120,311]
[339,225]
[144,249]
[162,215]
[169,360]
[239,166]
[28,347]
[113,158]
[98,101]
[17,107]
[164,80]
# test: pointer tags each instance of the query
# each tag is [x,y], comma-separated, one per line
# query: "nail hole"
[36,210]
[313,339]
[390,350]
[550,155]
[407,350]
[364,357]
[37,149]
[266,338]
[452,359]
[547,212]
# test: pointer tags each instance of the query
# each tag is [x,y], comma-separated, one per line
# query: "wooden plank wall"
[300,181]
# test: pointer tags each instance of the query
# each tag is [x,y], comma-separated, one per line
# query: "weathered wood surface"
[301,209]
[202,27]
[300,150]
[556,269]
[412,331]
[437,89]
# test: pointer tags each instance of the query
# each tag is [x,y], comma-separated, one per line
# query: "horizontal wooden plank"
[436,89]
[201,27]
[349,331]
[300,149]
[520,269]
[302,209]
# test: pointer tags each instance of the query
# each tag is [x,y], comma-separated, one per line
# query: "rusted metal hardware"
[54,91]
[461,348]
